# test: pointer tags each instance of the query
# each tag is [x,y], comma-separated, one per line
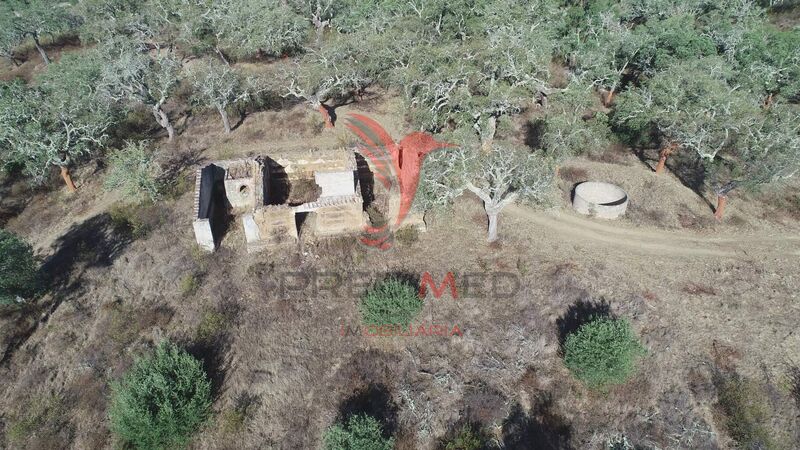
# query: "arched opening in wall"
[244,190]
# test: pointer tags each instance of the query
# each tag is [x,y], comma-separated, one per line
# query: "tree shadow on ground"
[794,377]
[409,278]
[484,404]
[691,172]
[212,353]
[213,346]
[95,242]
[534,133]
[375,400]
[92,243]
[16,192]
[475,429]
[542,429]
[580,313]
[178,163]
[687,167]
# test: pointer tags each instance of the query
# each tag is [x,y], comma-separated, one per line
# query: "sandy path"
[573,227]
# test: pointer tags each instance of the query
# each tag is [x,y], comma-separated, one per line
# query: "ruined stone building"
[272,198]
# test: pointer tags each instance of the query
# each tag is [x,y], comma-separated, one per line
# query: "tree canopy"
[679,75]
[57,121]
[34,19]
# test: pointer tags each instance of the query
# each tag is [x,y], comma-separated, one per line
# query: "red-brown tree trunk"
[662,157]
[326,116]
[608,98]
[68,179]
[722,200]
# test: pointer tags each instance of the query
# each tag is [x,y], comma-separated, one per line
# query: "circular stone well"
[603,200]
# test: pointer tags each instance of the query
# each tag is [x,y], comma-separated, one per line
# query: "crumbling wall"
[261,180]
[240,193]
[276,224]
[344,217]
[270,193]
[304,166]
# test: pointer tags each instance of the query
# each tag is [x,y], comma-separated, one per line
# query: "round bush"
[360,432]
[390,302]
[602,352]
[161,401]
[17,268]
[465,439]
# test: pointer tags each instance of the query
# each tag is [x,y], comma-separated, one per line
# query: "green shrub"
[17,268]
[602,352]
[190,284]
[465,439]
[390,302]
[407,235]
[134,172]
[134,221]
[746,412]
[360,432]
[211,325]
[42,415]
[232,421]
[161,401]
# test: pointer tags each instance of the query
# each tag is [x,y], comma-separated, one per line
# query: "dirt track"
[572,227]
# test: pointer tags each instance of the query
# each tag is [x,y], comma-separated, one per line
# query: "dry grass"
[745,412]
[641,215]
[285,352]
[614,154]
[40,424]
[573,174]
[693,288]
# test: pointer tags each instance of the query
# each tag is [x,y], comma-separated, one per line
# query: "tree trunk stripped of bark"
[662,158]
[768,101]
[319,24]
[492,226]
[326,116]
[222,56]
[492,207]
[68,179]
[320,31]
[163,119]
[225,121]
[41,50]
[608,98]
[722,200]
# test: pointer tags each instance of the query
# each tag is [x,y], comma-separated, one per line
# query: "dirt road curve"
[578,229]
